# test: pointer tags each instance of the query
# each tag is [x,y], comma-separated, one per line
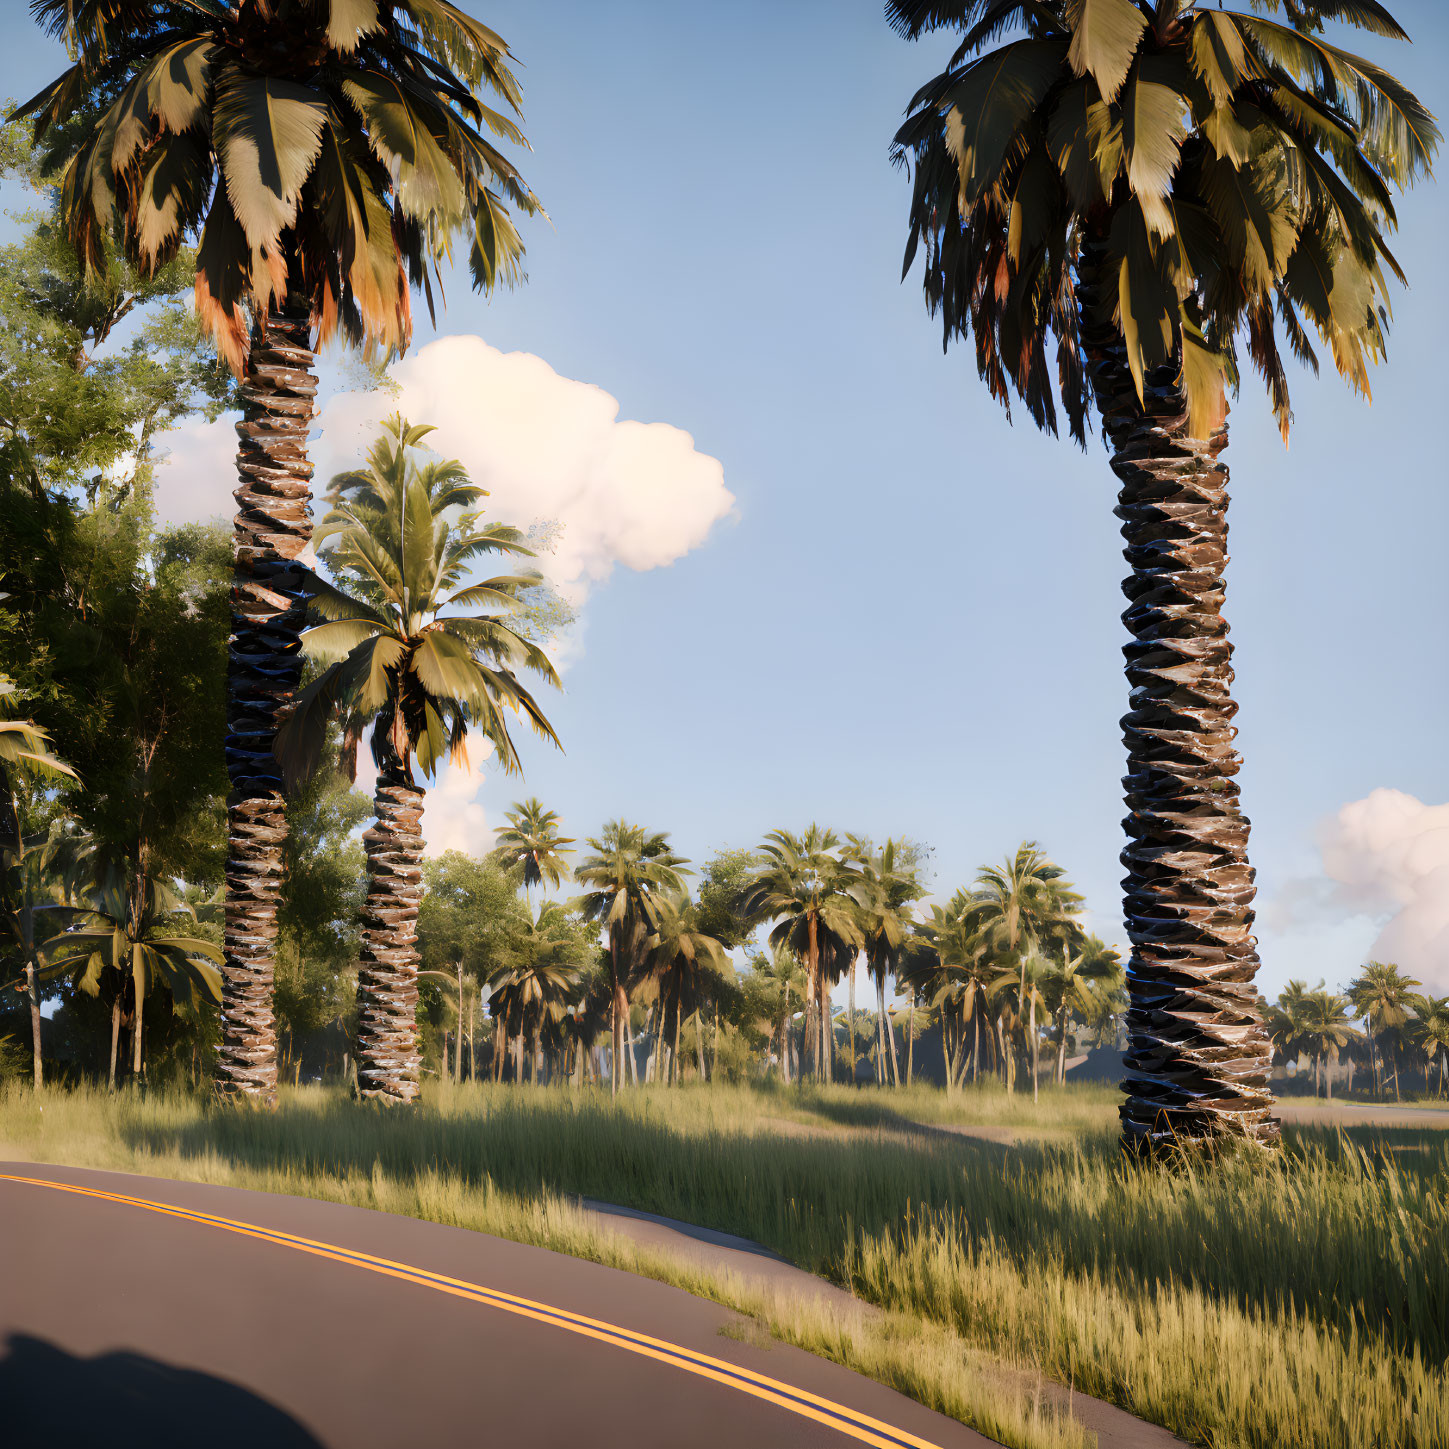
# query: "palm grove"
[1159,188]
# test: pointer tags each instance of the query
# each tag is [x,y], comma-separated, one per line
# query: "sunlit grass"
[1302,1302]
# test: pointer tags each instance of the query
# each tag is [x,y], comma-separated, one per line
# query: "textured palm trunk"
[1198,1056]
[388,1063]
[32,991]
[273,526]
[115,1038]
[852,1023]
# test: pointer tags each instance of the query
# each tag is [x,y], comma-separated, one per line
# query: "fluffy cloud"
[546,447]
[453,814]
[1386,857]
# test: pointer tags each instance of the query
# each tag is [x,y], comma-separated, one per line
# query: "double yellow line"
[796,1401]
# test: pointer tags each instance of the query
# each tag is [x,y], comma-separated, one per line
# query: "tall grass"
[1303,1302]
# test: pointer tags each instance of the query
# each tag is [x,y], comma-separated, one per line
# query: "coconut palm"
[1327,1027]
[1284,1020]
[1023,908]
[951,965]
[885,892]
[1430,1030]
[531,841]
[24,750]
[1024,992]
[1158,187]
[687,964]
[129,917]
[632,879]
[418,655]
[534,994]
[1071,986]
[1383,996]
[803,886]
[326,158]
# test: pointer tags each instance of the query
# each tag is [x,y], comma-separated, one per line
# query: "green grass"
[1302,1302]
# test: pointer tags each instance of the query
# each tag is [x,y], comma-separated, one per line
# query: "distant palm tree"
[419,656]
[1327,1027]
[326,158]
[127,928]
[885,892]
[686,963]
[1284,1020]
[632,879]
[1431,1031]
[1025,907]
[1130,195]
[1071,985]
[1023,988]
[1383,995]
[802,885]
[531,840]
[536,991]
[951,965]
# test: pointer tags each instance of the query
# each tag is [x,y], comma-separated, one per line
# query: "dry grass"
[1303,1302]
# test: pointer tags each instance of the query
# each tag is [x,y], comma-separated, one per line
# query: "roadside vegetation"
[1304,1301]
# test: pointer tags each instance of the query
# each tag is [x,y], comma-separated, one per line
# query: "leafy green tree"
[129,918]
[1326,1027]
[1157,188]
[1430,1031]
[325,158]
[533,842]
[773,989]
[403,538]
[722,882]
[1073,982]
[631,880]
[1383,995]
[802,885]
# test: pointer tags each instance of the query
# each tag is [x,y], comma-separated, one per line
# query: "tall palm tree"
[536,990]
[532,840]
[950,964]
[325,158]
[1327,1026]
[418,655]
[803,885]
[1071,985]
[1284,1020]
[1383,996]
[687,964]
[886,891]
[632,878]
[1157,186]
[127,930]
[1431,1032]
[1024,907]
[1024,989]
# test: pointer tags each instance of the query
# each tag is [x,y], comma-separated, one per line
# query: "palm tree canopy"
[632,877]
[1237,168]
[24,745]
[1025,904]
[531,840]
[885,890]
[420,677]
[802,882]
[1383,994]
[334,149]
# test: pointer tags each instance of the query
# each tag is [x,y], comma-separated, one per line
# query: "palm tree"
[536,991]
[1023,989]
[885,891]
[685,962]
[950,964]
[1431,1031]
[1382,994]
[1023,908]
[1154,185]
[803,886]
[1071,985]
[24,750]
[1284,1020]
[403,538]
[129,918]
[532,841]
[633,878]
[325,158]
[1328,1027]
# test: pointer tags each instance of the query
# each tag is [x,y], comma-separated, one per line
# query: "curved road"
[137,1311]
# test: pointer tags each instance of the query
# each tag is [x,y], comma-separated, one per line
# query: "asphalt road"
[121,1326]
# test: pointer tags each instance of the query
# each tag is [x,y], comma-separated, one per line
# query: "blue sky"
[910,624]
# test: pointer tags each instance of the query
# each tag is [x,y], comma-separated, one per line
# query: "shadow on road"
[54,1400]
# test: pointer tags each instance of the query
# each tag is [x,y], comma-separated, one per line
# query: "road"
[137,1311]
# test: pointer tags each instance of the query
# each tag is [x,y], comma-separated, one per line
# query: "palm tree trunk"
[458,1044]
[675,1074]
[1062,1047]
[33,992]
[911,1042]
[137,1025]
[890,1031]
[388,1063]
[851,1028]
[618,1008]
[1198,1057]
[115,1036]
[537,1046]
[1035,1045]
[273,527]
[880,1030]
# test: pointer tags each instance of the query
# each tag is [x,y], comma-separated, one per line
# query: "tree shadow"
[54,1400]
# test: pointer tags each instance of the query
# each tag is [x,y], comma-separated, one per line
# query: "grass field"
[1303,1302]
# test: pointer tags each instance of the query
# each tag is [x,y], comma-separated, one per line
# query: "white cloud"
[453,814]
[1385,858]
[548,448]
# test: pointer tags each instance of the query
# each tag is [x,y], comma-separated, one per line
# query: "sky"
[820,576]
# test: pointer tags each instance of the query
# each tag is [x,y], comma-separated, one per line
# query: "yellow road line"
[845,1420]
